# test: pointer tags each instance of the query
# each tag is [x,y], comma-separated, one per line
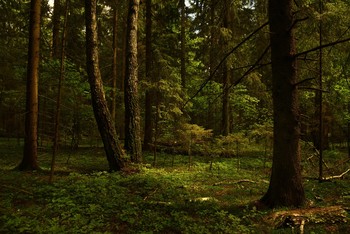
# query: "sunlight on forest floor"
[214,195]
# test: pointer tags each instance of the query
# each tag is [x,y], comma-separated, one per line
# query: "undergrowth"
[214,195]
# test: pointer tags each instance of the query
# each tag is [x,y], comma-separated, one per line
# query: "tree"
[150,94]
[183,43]
[226,79]
[114,62]
[30,154]
[56,21]
[285,187]
[103,118]
[59,94]
[132,110]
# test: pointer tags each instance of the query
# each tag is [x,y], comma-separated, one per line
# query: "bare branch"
[303,81]
[322,46]
[223,60]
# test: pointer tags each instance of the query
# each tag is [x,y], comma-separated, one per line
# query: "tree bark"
[149,100]
[114,152]
[114,63]
[285,187]
[56,21]
[132,110]
[30,154]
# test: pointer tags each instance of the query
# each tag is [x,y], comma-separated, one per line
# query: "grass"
[167,198]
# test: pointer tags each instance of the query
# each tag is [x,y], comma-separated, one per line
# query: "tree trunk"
[226,82]
[132,110]
[103,118]
[183,43]
[114,63]
[56,21]
[59,94]
[149,100]
[226,102]
[30,154]
[286,187]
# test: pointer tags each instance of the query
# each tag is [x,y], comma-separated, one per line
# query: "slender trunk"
[226,103]
[320,101]
[286,188]
[114,63]
[59,94]
[56,21]
[114,152]
[149,100]
[183,43]
[226,84]
[30,154]
[132,110]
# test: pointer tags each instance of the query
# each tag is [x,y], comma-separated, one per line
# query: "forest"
[177,116]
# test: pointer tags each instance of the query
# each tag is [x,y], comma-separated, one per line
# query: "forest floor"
[213,195]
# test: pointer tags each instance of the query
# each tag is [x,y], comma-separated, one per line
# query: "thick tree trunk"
[131,99]
[103,118]
[30,154]
[149,100]
[286,187]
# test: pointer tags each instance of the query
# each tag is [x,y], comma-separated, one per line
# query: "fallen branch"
[337,176]
[234,182]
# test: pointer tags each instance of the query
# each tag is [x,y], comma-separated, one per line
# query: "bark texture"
[286,187]
[30,154]
[103,118]
[132,109]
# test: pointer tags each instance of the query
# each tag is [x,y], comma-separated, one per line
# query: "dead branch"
[234,182]
[337,176]
[211,76]
[322,46]
[303,81]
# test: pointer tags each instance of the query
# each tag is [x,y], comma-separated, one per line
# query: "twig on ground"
[234,182]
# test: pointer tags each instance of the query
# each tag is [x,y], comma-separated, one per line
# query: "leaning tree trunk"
[286,187]
[30,154]
[132,110]
[103,118]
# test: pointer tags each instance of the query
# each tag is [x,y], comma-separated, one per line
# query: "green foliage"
[213,197]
